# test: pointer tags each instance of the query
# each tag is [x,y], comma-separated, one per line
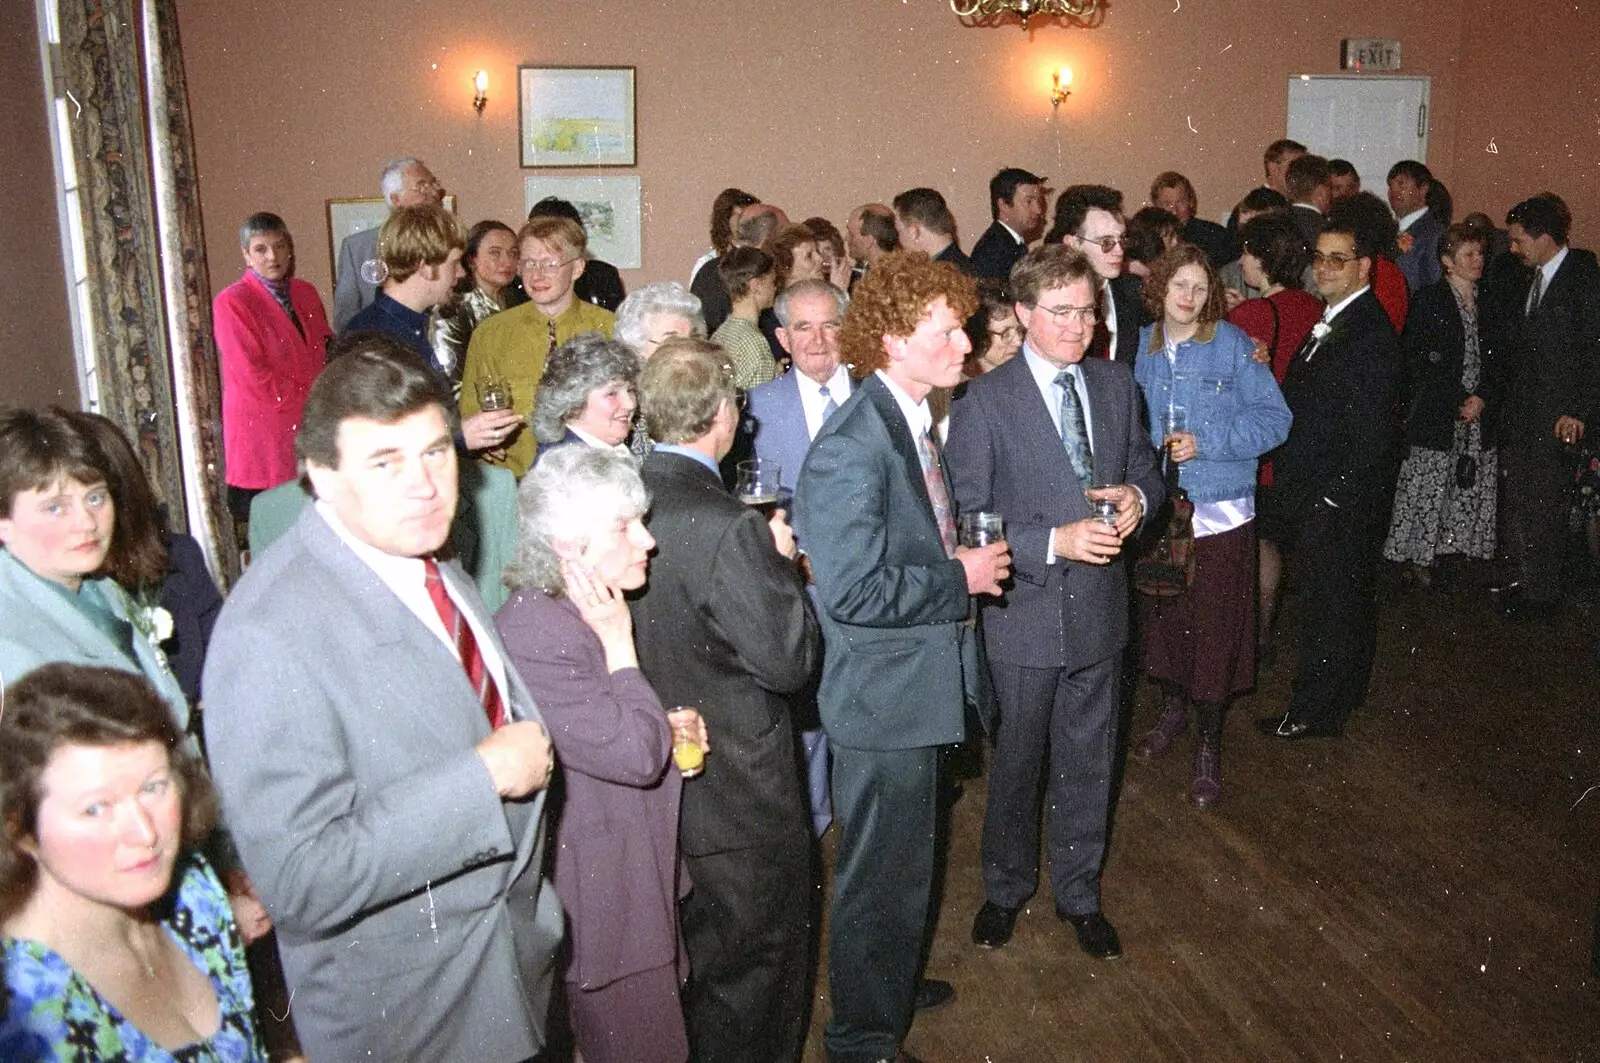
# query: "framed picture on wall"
[610,210]
[346,216]
[576,115]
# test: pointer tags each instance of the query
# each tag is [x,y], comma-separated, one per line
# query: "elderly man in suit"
[874,511]
[1036,441]
[405,182]
[382,769]
[786,415]
[1552,349]
[1089,220]
[272,341]
[1420,230]
[723,625]
[1333,479]
[1016,201]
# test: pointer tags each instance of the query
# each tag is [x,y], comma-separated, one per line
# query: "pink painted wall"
[820,106]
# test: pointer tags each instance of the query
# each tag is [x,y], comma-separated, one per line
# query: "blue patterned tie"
[828,407]
[1075,431]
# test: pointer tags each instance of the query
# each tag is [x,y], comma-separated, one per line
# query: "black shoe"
[992,928]
[933,993]
[1294,730]
[1096,935]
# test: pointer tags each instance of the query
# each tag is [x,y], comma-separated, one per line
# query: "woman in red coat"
[272,341]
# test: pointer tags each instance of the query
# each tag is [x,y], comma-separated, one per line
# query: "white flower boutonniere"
[154,623]
[1321,329]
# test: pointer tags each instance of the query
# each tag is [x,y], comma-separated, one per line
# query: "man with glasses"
[405,182]
[511,346]
[1035,440]
[1332,482]
[1089,220]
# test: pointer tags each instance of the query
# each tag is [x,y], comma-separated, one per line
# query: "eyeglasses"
[1336,261]
[548,265]
[1105,243]
[1010,332]
[1083,315]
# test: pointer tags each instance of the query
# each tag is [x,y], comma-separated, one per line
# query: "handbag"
[1166,567]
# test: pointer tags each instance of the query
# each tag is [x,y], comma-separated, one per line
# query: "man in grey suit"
[1418,258]
[873,511]
[382,769]
[1035,441]
[787,413]
[405,183]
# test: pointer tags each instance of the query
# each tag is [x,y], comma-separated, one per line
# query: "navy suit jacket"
[1006,456]
[1421,264]
[996,252]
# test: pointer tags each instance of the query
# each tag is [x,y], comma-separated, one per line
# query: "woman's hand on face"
[600,604]
[1182,446]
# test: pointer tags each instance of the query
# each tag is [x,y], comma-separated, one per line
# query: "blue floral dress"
[52,1013]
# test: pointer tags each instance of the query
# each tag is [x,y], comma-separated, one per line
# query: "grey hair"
[664,297]
[808,287]
[569,495]
[258,223]
[393,179]
[577,367]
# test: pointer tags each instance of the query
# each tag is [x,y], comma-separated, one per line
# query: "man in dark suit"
[1333,479]
[1551,350]
[869,235]
[923,222]
[785,415]
[1310,195]
[1016,200]
[1031,440]
[1171,191]
[758,224]
[382,767]
[1089,220]
[1420,230]
[724,625]
[874,512]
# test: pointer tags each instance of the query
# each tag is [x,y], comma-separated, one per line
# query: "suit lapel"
[1104,424]
[900,438]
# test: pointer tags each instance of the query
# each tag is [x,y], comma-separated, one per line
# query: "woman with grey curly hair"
[656,313]
[582,546]
[587,395]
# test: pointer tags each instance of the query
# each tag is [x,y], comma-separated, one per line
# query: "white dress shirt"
[1548,273]
[812,401]
[1411,219]
[919,418]
[595,441]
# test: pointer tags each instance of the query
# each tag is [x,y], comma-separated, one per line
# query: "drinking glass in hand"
[686,752]
[494,393]
[981,529]
[1174,419]
[756,484]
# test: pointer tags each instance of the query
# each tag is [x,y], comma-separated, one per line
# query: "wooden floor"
[1423,889]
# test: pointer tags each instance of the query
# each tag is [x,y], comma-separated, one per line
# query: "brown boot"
[1205,785]
[1173,722]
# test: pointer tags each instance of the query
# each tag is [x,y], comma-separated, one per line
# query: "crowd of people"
[575,617]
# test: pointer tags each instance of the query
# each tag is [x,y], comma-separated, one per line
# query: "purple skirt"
[1204,640]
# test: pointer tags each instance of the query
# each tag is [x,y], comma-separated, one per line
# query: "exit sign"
[1369,53]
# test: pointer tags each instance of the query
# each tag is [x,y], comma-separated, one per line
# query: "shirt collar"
[1411,219]
[918,417]
[1309,206]
[1549,268]
[597,442]
[392,569]
[1045,372]
[1014,234]
[838,383]
[689,452]
[1334,310]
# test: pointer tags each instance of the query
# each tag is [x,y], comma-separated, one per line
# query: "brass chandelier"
[994,12]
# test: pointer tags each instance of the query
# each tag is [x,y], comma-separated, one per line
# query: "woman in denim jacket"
[1216,411]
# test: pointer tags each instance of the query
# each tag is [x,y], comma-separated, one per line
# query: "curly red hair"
[894,296]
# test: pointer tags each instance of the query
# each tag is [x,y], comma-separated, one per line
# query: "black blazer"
[953,254]
[1211,238]
[1434,345]
[1311,222]
[724,625]
[996,252]
[1551,358]
[715,305]
[1344,442]
[1127,296]
[601,285]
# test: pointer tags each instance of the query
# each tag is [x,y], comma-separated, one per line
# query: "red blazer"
[267,368]
[1389,285]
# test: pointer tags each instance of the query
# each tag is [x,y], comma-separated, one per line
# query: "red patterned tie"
[938,494]
[466,644]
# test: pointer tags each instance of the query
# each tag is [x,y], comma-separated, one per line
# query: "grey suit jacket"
[411,914]
[1006,456]
[779,419]
[350,293]
[898,654]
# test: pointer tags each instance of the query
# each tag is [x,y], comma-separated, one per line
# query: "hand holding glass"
[494,393]
[1174,419]
[756,483]
[981,529]
[687,752]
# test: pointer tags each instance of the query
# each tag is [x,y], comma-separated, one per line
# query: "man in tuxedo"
[1016,201]
[924,223]
[869,235]
[1089,220]
[405,182]
[724,625]
[383,771]
[1310,195]
[1333,478]
[874,512]
[1171,191]
[1418,244]
[1552,348]
[1031,440]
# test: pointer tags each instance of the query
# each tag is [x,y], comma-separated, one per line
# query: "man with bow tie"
[1333,478]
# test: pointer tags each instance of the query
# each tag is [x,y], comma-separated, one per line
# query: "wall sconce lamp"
[480,86]
[1060,86]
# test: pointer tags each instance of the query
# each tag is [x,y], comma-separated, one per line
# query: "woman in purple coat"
[581,546]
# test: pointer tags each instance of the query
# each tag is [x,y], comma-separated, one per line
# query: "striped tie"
[466,644]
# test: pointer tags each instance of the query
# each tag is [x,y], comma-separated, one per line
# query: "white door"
[1374,122]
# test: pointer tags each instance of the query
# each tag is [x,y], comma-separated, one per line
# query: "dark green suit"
[893,613]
